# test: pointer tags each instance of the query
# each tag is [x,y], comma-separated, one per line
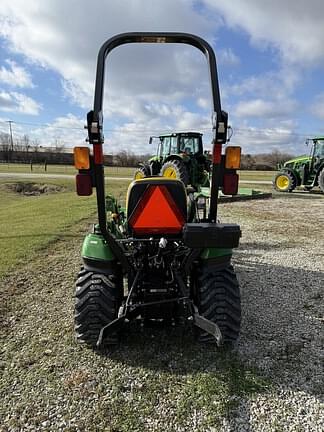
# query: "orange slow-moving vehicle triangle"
[157,213]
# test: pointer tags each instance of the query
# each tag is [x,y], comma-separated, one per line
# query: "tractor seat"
[158,202]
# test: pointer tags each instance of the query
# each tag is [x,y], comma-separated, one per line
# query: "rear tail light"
[230,184]
[83,184]
[98,154]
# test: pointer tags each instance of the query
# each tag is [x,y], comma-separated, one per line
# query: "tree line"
[25,150]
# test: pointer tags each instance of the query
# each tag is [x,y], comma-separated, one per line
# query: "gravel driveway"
[160,379]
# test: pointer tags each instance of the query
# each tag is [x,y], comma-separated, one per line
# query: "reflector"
[233,157]
[217,153]
[230,184]
[83,184]
[98,154]
[156,213]
[81,157]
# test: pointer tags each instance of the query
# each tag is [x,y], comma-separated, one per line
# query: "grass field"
[30,223]
[61,169]
[24,234]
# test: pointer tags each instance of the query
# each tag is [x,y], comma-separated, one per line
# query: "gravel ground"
[281,270]
[160,379]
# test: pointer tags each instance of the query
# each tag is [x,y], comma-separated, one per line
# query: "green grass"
[60,169]
[256,175]
[30,223]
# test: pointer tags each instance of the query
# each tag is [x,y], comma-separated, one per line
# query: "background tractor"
[306,171]
[179,156]
[165,255]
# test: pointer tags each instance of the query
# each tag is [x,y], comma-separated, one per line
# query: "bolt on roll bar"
[95,117]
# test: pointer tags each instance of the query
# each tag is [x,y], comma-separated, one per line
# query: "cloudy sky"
[270,59]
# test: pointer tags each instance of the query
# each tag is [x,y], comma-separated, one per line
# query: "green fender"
[95,247]
[211,253]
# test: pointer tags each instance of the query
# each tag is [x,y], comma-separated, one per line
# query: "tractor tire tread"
[219,301]
[180,168]
[96,305]
[320,180]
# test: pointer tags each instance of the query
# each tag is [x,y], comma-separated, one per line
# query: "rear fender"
[97,256]
[215,259]
[180,157]
[96,247]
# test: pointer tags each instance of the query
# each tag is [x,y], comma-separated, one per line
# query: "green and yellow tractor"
[166,255]
[305,171]
[179,156]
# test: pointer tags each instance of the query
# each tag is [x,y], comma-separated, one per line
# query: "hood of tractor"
[299,159]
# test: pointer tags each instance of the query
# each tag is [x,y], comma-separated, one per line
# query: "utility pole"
[11,140]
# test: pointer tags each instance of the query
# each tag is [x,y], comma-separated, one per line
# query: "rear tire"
[141,172]
[284,182]
[175,169]
[98,297]
[321,180]
[218,298]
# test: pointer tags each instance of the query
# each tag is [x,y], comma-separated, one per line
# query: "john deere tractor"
[165,255]
[305,171]
[179,156]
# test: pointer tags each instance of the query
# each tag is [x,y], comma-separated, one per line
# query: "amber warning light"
[156,213]
[81,158]
[233,157]
[82,163]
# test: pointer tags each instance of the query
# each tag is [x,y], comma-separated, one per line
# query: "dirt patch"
[33,189]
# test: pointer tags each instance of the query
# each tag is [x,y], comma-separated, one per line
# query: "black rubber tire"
[142,171]
[98,298]
[219,300]
[181,172]
[291,182]
[321,180]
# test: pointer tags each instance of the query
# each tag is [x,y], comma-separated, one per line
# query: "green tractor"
[179,156]
[305,171]
[165,256]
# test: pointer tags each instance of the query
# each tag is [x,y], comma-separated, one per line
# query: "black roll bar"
[182,38]
[95,118]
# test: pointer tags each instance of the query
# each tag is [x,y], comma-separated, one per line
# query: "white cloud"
[18,102]
[294,27]
[264,108]
[15,75]
[138,76]
[150,88]
[274,84]
[64,130]
[254,140]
